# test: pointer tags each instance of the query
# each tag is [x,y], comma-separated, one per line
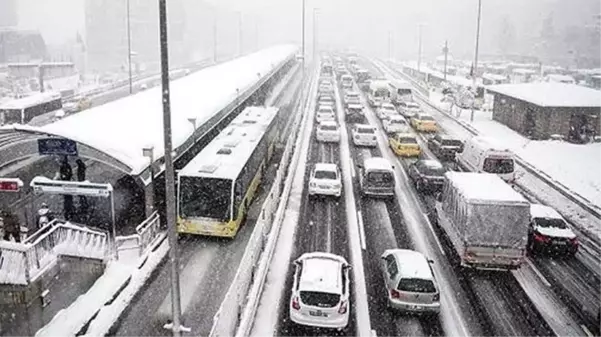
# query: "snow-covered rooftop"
[29,101]
[551,94]
[124,127]
[483,186]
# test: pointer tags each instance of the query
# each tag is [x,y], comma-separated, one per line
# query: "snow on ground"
[69,321]
[576,166]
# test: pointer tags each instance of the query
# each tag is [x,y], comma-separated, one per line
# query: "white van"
[364,135]
[378,93]
[376,177]
[482,154]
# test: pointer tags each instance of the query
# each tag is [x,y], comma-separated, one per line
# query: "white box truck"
[485,220]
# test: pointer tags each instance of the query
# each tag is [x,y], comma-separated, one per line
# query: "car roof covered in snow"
[550,94]
[412,264]
[325,108]
[122,128]
[365,126]
[225,156]
[326,167]
[321,272]
[483,187]
[543,211]
[328,123]
[352,93]
[432,163]
[387,105]
[355,106]
[377,163]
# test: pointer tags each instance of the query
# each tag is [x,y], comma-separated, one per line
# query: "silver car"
[410,282]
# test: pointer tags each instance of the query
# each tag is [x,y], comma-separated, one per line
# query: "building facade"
[8,13]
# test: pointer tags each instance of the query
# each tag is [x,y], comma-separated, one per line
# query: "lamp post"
[129,47]
[445,50]
[303,34]
[475,67]
[169,175]
[149,153]
[419,48]
[315,12]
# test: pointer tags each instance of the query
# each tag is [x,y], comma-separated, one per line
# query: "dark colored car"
[548,232]
[445,147]
[427,175]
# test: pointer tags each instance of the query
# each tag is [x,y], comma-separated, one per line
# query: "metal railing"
[146,234]
[22,263]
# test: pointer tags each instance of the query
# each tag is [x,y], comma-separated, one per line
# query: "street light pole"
[446,53]
[129,47]
[303,35]
[215,39]
[314,33]
[169,174]
[475,67]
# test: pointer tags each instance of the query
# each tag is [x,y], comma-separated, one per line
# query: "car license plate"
[324,186]
[318,313]
[560,242]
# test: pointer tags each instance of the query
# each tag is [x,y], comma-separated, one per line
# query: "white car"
[327,131]
[327,100]
[364,135]
[320,291]
[324,113]
[395,123]
[325,180]
[409,109]
[386,110]
[409,280]
[352,97]
[326,87]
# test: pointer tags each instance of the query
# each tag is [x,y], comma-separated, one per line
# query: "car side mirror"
[347,267]
[360,166]
[296,263]
[430,261]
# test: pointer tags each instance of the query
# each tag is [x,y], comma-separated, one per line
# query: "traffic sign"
[47,186]
[57,146]
[10,184]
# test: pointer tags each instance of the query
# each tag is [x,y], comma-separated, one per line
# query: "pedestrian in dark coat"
[66,172]
[12,226]
[81,176]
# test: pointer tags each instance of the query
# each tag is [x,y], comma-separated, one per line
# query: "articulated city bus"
[23,110]
[216,188]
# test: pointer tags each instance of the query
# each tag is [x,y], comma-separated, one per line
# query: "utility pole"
[303,34]
[389,44]
[419,49]
[131,90]
[169,175]
[475,67]
[314,33]
[445,50]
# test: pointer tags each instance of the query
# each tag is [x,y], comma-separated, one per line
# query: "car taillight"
[373,137]
[295,304]
[395,294]
[436,297]
[574,241]
[342,309]
[541,238]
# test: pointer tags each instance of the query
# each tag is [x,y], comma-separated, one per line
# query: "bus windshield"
[205,197]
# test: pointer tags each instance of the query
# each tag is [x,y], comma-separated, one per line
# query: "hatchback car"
[327,100]
[326,87]
[325,180]
[320,291]
[328,131]
[352,97]
[424,123]
[549,232]
[324,113]
[427,175]
[410,282]
[408,109]
[364,135]
[404,145]
[385,110]
[395,123]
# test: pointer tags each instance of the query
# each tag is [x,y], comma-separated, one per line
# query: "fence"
[146,233]
[236,300]
[22,263]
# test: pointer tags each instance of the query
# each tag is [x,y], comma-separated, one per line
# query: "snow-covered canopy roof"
[122,128]
[29,101]
[550,94]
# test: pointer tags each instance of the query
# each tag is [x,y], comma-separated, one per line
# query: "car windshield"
[498,166]
[328,127]
[551,223]
[407,140]
[325,111]
[398,121]
[325,175]
[412,106]
[365,130]
[451,142]
[380,178]
[431,170]
[319,299]
[416,285]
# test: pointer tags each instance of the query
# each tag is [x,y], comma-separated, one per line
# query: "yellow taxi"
[424,123]
[404,145]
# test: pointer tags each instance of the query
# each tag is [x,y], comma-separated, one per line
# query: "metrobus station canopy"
[117,132]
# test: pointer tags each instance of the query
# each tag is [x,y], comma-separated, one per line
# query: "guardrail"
[22,263]
[239,304]
[559,187]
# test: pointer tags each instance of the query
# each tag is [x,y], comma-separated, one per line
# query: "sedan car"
[324,113]
[427,175]
[410,282]
[408,109]
[385,110]
[328,131]
[405,145]
[549,232]
[394,124]
[320,291]
[325,180]
[424,123]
